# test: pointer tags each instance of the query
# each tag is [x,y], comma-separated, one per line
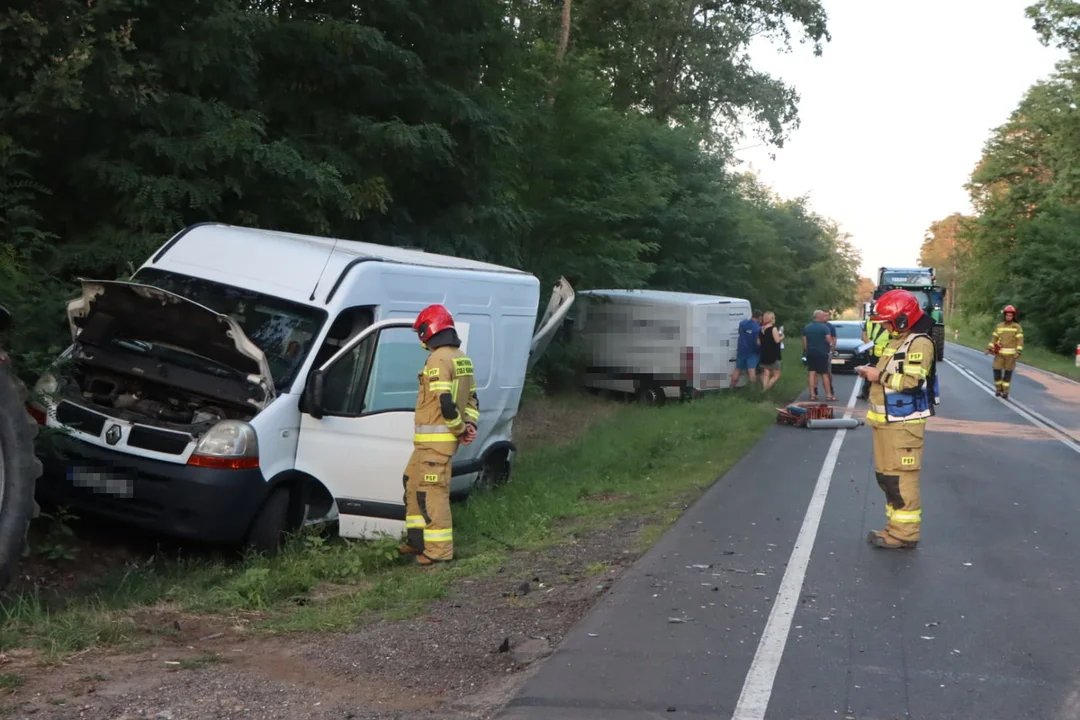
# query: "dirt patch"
[462,659]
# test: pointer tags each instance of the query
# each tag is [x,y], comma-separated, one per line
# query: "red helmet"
[1009,309]
[431,320]
[899,307]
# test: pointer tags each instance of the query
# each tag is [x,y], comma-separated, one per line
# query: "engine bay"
[146,401]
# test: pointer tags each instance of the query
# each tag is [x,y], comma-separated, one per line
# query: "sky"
[895,112]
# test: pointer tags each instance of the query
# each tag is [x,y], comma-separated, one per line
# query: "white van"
[657,344]
[245,382]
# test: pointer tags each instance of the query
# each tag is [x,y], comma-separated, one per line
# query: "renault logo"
[112,435]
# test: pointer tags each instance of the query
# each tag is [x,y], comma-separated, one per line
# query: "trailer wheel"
[651,394]
[19,470]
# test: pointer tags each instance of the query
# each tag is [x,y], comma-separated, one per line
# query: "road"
[765,601]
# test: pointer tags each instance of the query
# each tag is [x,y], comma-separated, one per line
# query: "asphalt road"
[981,621]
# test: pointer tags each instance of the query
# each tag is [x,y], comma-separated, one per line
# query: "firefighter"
[1006,345]
[903,392]
[875,333]
[447,413]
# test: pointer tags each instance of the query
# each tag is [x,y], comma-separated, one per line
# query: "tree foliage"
[943,249]
[1021,246]
[456,127]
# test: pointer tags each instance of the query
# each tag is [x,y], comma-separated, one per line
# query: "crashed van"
[246,382]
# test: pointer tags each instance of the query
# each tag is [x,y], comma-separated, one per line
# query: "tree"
[587,139]
[939,251]
[864,291]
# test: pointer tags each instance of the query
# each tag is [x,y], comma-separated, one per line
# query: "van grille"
[81,419]
[162,441]
[146,438]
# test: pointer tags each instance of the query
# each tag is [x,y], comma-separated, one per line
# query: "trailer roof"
[664,297]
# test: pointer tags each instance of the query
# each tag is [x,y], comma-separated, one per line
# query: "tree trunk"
[564,36]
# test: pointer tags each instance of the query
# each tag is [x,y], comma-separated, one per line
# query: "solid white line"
[1055,375]
[758,686]
[1037,419]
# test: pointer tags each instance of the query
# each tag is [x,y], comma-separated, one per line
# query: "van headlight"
[229,445]
[46,385]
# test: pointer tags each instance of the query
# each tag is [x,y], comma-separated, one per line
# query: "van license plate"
[839,361]
[103,482]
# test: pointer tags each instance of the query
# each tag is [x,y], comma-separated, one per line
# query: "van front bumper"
[194,503]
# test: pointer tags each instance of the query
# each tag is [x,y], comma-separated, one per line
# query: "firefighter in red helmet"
[447,413]
[1006,345]
[903,391]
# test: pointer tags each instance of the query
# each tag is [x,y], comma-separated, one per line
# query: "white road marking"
[1056,376]
[1038,420]
[758,686]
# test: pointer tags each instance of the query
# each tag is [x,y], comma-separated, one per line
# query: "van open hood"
[111,309]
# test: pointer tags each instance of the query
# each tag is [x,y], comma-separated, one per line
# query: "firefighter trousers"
[1003,371]
[898,449]
[428,523]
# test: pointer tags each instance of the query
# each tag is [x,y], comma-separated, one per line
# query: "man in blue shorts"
[817,347]
[748,351]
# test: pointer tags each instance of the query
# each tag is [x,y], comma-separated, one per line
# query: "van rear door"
[562,298]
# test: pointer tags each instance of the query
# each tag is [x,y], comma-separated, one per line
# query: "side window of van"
[393,382]
[348,323]
[379,374]
[343,392]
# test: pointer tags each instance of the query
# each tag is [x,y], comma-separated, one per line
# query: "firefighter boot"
[882,539]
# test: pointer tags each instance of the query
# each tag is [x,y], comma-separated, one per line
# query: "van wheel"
[651,395]
[495,472]
[270,524]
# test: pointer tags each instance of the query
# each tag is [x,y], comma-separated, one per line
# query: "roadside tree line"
[591,139]
[1022,245]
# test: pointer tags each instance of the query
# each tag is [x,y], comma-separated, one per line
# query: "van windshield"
[283,330]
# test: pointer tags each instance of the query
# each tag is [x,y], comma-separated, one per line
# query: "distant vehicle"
[658,345]
[848,340]
[246,382]
[921,282]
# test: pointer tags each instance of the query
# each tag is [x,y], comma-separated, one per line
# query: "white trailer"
[657,344]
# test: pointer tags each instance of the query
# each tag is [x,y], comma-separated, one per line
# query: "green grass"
[975,333]
[10,682]
[640,461]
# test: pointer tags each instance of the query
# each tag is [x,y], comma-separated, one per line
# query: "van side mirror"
[313,395]
[5,318]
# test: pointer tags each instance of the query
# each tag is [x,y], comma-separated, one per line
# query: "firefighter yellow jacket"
[905,366]
[446,400]
[1008,337]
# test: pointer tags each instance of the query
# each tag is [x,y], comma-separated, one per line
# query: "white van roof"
[290,263]
[663,297]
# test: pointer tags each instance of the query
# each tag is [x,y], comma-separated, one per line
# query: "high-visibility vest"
[906,405]
[878,335]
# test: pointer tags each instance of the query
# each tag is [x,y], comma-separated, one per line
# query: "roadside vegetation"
[1021,246]
[624,460]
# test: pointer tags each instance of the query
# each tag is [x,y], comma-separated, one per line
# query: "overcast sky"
[895,112]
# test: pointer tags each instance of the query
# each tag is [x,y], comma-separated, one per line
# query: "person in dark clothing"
[771,337]
[746,352]
[817,346]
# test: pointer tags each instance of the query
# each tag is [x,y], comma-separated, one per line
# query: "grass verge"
[975,333]
[638,461]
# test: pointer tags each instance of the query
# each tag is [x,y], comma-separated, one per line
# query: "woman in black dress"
[769,364]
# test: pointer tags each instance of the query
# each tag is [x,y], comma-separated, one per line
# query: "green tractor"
[922,283]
